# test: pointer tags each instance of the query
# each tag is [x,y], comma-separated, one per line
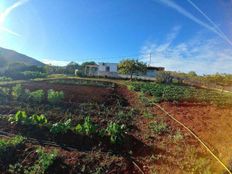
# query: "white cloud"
[201,55]
[55,62]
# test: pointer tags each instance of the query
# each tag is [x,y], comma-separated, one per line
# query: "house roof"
[155,68]
[91,66]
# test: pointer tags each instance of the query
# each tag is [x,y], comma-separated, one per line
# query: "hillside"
[9,56]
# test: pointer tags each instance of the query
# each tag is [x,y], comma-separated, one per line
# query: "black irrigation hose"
[69,148]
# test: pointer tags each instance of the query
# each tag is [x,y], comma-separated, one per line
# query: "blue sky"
[181,35]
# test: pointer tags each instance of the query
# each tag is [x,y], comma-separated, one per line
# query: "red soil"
[212,124]
[74,93]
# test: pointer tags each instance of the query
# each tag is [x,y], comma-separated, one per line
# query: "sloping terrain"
[9,56]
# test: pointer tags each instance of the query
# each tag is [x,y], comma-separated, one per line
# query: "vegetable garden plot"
[90,120]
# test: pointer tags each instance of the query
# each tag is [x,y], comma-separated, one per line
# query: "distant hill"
[9,56]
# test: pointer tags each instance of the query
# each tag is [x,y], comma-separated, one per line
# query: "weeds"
[10,143]
[42,164]
[158,127]
[147,114]
[178,136]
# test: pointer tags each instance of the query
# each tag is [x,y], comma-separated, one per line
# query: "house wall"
[113,67]
[151,73]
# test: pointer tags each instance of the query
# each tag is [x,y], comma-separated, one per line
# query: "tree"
[192,74]
[164,77]
[71,67]
[131,67]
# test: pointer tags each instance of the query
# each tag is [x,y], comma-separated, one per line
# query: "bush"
[55,97]
[37,96]
[164,77]
[33,74]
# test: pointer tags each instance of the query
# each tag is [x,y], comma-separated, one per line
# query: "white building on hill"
[111,70]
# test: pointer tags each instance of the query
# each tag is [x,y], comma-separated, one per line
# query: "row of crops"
[172,92]
[114,131]
[84,82]
[17,92]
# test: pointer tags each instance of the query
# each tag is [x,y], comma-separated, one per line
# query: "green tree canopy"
[131,67]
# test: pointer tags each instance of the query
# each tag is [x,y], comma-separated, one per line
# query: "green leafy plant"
[37,96]
[61,127]
[39,119]
[158,127]
[20,117]
[115,132]
[55,97]
[87,127]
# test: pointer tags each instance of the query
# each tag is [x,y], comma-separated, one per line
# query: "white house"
[107,69]
[111,70]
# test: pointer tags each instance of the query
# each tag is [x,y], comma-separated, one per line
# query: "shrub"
[55,97]
[158,127]
[87,128]
[37,96]
[33,74]
[61,127]
[164,77]
[115,132]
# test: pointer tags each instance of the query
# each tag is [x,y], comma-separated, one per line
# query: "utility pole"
[149,59]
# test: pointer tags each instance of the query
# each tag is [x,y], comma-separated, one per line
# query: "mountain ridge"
[8,56]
